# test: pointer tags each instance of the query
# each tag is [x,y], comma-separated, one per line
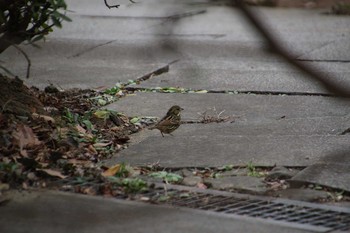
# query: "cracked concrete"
[280,116]
[286,119]
[122,45]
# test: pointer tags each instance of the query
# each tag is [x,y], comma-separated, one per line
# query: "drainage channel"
[297,214]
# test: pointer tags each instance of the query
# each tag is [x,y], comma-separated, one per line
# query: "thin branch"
[42,32]
[111,6]
[115,6]
[27,58]
[280,50]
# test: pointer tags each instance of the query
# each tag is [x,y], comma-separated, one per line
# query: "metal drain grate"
[286,211]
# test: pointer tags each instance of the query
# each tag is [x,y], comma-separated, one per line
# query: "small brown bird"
[170,121]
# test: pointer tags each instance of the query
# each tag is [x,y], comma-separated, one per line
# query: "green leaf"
[124,170]
[70,117]
[59,15]
[172,177]
[65,18]
[160,174]
[184,195]
[134,120]
[134,185]
[88,124]
[56,21]
[167,176]
[102,114]
[36,38]
[101,102]
[131,82]
[112,91]
[163,198]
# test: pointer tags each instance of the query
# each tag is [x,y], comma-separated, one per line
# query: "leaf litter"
[63,147]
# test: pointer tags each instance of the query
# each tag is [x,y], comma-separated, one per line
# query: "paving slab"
[94,63]
[267,130]
[126,8]
[309,195]
[216,150]
[245,107]
[293,25]
[58,62]
[331,171]
[109,28]
[335,175]
[295,126]
[54,212]
[335,51]
[245,74]
[103,45]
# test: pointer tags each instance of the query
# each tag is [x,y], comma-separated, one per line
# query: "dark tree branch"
[41,21]
[277,48]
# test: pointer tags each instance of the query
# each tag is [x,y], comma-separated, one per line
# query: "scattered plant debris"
[66,142]
[62,147]
[212,115]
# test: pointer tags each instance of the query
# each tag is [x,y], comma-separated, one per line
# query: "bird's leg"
[162,133]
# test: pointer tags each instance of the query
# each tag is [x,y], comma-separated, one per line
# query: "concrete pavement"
[216,51]
[52,212]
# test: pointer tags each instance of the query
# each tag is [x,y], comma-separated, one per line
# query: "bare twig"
[110,6]
[156,72]
[216,117]
[27,58]
[115,6]
[276,47]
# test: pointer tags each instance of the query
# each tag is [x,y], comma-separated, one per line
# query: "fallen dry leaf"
[89,191]
[24,137]
[83,132]
[201,186]
[53,173]
[23,152]
[101,144]
[78,162]
[100,88]
[61,132]
[112,170]
[92,149]
[46,118]
[43,164]
[80,129]
[24,185]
